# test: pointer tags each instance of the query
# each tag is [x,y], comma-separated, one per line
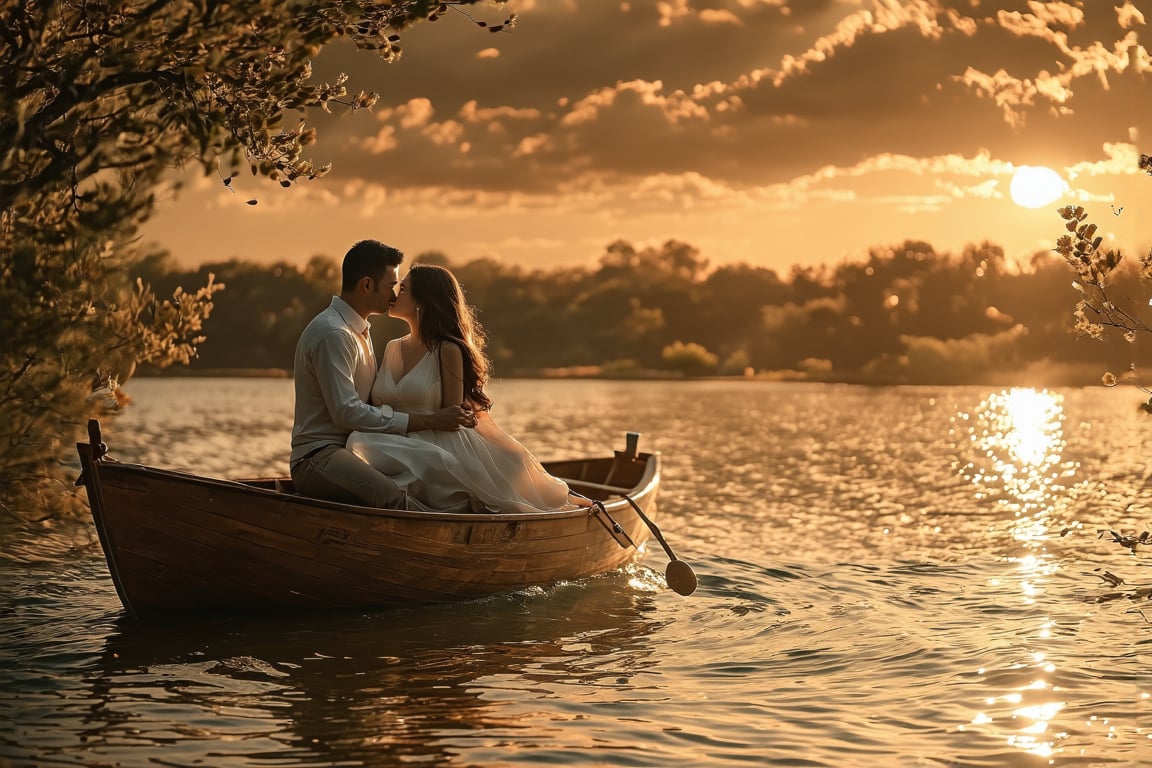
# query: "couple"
[414,432]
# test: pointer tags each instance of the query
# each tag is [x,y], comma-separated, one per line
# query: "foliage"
[271,304]
[1096,269]
[1102,276]
[136,87]
[908,314]
[737,364]
[98,101]
[691,359]
[70,340]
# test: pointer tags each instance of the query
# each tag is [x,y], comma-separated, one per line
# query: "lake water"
[888,577]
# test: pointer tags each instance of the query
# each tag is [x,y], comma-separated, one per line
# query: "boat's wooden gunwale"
[242,487]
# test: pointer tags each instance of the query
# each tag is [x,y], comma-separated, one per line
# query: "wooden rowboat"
[178,542]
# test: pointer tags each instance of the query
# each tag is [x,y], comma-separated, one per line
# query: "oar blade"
[680,577]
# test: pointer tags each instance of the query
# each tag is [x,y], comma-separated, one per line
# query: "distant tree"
[97,102]
[322,270]
[730,306]
[737,364]
[271,303]
[939,321]
[638,300]
[691,359]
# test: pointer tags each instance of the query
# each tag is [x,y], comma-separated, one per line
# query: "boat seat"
[599,487]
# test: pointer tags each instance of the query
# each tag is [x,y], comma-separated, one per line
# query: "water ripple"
[888,576]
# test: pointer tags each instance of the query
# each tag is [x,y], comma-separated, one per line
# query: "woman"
[441,363]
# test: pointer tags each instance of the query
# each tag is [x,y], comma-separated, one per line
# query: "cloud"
[1122,160]
[988,189]
[670,12]
[719,16]
[1129,15]
[383,141]
[884,17]
[704,115]
[1041,22]
[471,112]
[1011,94]
[914,204]
[767,121]
[1051,81]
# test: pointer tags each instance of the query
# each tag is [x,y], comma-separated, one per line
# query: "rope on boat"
[597,508]
[678,574]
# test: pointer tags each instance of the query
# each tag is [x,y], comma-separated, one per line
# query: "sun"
[1036,185]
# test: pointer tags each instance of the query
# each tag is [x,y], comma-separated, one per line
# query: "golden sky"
[773,132]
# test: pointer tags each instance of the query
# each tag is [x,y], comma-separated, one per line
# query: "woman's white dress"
[480,469]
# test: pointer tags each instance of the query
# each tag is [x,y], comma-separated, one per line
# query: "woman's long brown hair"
[446,316]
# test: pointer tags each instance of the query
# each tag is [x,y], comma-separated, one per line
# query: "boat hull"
[177,542]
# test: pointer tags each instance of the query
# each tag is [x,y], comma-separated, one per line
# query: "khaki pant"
[336,474]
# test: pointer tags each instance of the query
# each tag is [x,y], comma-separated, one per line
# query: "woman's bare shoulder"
[450,351]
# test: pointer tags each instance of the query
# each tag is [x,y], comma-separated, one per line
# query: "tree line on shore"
[907,314]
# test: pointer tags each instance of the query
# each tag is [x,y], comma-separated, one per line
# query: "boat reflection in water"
[383,688]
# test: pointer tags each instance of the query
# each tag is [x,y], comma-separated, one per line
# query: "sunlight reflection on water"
[1018,435]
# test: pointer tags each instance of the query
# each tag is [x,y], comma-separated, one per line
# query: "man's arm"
[334,361]
[449,419]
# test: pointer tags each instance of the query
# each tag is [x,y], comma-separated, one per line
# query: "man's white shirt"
[333,372]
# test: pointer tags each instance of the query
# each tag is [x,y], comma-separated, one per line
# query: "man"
[333,372]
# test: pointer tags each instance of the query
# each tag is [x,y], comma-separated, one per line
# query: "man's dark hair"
[368,258]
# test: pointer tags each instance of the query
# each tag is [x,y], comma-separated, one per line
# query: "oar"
[678,574]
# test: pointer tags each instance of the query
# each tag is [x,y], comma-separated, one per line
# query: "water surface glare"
[888,577]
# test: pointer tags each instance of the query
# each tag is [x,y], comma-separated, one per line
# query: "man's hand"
[448,419]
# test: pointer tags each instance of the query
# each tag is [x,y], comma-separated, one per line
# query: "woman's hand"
[448,419]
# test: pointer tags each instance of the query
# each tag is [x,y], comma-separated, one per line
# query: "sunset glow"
[775,134]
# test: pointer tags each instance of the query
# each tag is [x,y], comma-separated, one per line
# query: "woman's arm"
[451,374]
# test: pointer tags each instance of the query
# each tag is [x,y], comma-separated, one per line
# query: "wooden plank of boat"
[179,542]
